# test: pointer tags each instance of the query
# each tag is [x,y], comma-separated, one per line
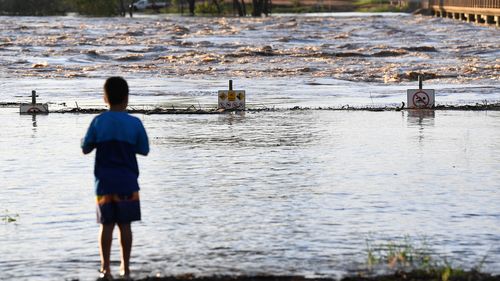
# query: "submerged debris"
[157,110]
[9,104]
[194,110]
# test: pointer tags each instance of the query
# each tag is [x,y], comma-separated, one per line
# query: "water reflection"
[421,117]
[232,118]
[33,119]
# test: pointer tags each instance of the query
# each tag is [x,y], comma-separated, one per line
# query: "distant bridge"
[479,11]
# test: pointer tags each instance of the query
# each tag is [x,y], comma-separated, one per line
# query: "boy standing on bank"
[117,138]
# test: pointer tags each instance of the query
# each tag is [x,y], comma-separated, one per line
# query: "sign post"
[420,98]
[231,99]
[33,107]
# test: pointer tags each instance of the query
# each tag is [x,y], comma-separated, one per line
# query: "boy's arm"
[88,142]
[87,148]
[142,146]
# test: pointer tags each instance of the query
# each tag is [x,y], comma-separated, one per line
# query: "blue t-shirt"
[117,138]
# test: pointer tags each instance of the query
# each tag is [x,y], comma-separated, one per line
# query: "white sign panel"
[420,98]
[232,99]
[29,108]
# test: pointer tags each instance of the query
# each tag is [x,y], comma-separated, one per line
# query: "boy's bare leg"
[105,239]
[126,243]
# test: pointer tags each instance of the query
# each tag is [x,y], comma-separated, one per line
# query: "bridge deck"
[479,11]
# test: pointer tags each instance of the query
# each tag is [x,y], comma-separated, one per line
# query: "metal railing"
[467,3]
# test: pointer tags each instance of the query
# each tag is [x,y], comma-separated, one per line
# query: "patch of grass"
[9,218]
[382,9]
[379,6]
[370,2]
[408,255]
[400,254]
[299,9]
[206,8]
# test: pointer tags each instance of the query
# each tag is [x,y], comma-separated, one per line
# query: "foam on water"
[161,55]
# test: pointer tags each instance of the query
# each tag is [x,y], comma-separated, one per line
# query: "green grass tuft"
[417,257]
[9,218]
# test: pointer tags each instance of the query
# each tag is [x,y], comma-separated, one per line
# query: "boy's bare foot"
[104,276]
[125,274]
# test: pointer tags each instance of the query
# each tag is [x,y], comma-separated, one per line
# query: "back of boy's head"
[116,90]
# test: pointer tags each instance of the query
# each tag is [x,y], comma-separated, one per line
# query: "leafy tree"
[261,6]
[57,7]
[97,7]
[32,7]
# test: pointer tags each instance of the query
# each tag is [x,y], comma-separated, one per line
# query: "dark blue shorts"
[118,208]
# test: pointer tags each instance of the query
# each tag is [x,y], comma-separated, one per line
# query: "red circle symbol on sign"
[421,99]
[33,110]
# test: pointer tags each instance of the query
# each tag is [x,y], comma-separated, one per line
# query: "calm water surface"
[280,192]
[283,192]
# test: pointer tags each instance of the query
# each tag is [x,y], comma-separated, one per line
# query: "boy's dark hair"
[116,89]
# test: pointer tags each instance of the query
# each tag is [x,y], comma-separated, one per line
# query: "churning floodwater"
[309,60]
[273,192]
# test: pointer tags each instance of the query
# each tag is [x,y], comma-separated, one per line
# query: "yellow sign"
[232,99]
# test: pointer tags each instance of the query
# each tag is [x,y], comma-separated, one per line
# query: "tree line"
[60,7]
[113,7]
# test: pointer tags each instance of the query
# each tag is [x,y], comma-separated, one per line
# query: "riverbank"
[400,275]
[296,7]
[299,7]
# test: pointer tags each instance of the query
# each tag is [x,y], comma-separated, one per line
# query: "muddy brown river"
[278,192]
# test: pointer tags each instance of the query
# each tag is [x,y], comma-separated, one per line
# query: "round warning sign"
[421,99]
[34,110]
